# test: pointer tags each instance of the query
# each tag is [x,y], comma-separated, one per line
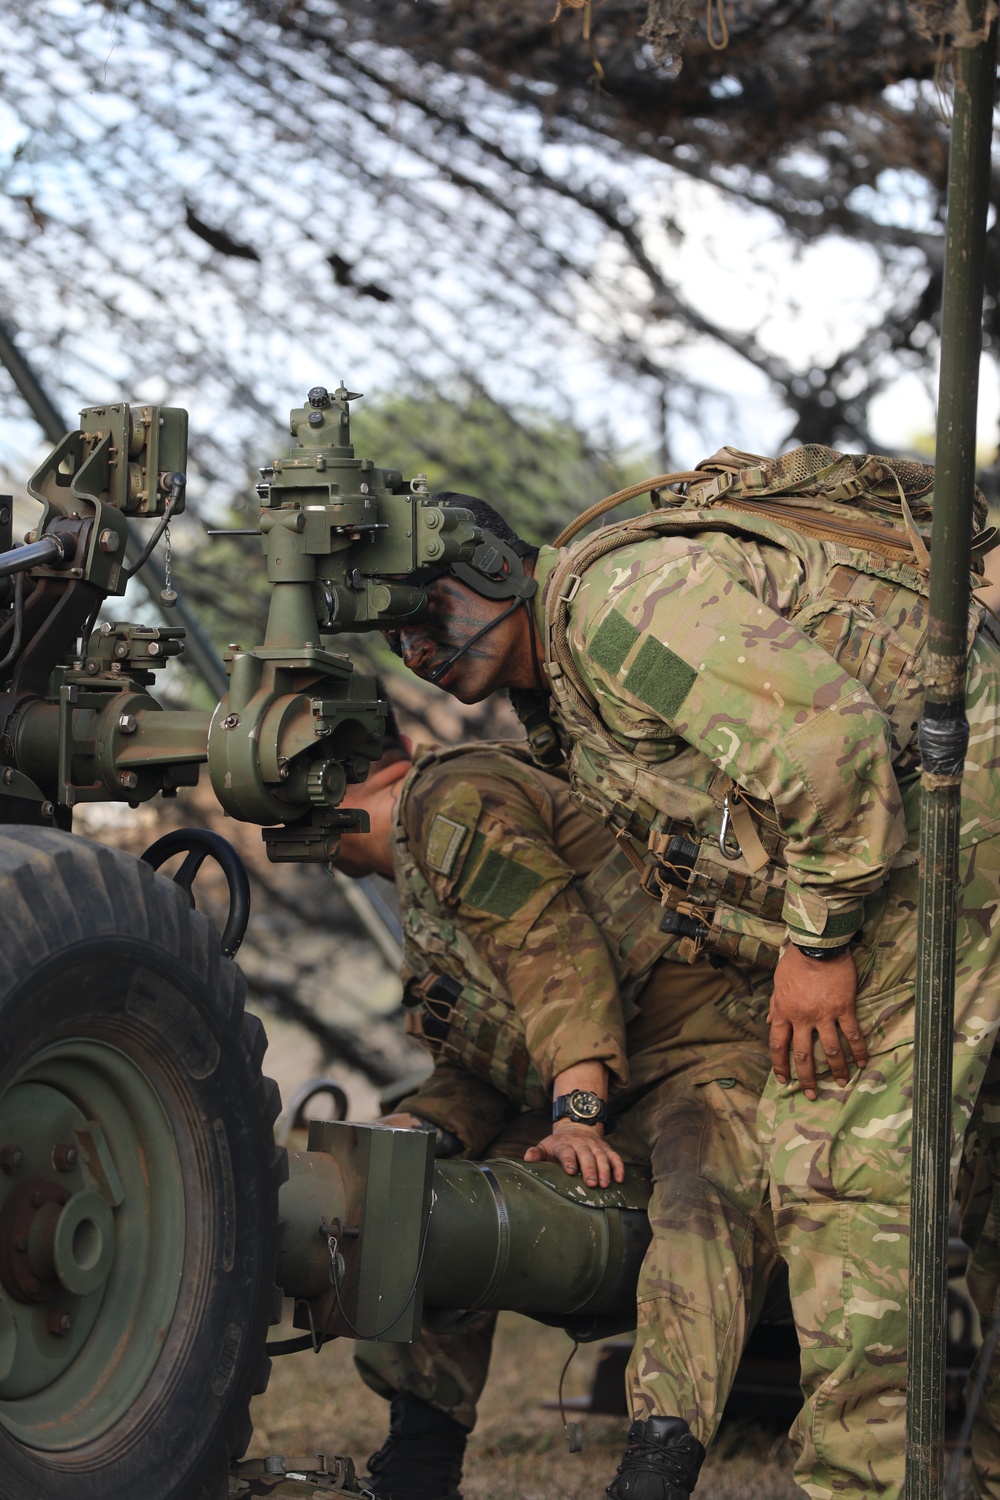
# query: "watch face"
[584,1105]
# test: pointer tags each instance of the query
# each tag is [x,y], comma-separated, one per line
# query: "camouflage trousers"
[707,1270]
[840,1192]
[979,1200]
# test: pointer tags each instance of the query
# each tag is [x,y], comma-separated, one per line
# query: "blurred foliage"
[539,472]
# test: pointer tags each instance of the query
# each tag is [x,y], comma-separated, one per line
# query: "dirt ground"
[316,1404]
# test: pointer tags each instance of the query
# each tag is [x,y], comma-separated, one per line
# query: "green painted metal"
[200,652]
[275,1478]
[943,739]
[89,1284]
[297,725]
[518,1235]
[405,1234]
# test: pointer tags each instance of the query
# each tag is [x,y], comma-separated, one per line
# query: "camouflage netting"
[672,25]
[211,201]
[950,20]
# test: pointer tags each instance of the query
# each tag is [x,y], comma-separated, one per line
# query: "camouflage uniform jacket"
[526,937]
[697,655]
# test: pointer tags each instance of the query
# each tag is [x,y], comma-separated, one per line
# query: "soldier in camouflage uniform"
[534,964]
[740,695]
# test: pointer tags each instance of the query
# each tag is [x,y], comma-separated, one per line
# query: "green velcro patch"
[844,924]
[613,640]
[500,886]
[660,678]
[444,841]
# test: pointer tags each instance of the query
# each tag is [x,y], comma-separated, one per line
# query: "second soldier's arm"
[483,832]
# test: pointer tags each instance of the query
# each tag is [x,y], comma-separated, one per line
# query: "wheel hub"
[28,1223]
[86,1291]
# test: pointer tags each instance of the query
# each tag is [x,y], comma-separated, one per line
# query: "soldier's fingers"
[590,1165]
[781,1036]
[829,1040]
[534,1153]
[855,1040]
[603,1159]
[805,1063]
[566,1157]
[617,1165]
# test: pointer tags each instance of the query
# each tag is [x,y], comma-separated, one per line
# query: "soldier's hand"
[813,997]
[403,1121]
[583,1149]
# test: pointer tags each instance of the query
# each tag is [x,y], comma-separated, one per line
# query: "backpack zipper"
[829,529]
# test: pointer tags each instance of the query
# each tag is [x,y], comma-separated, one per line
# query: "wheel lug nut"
[59,1322]
[11,1160]
[65,1157]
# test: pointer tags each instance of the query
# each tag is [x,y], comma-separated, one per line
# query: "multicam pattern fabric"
[713,1256]
[841,1187]
[692,655]
[978,1196]
[529,910]
[693,1062]
[791,666]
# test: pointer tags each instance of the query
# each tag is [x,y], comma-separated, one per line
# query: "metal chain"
[168,595]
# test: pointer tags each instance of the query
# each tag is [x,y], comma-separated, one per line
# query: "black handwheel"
[305,1094]
[138,1183]
[200,844]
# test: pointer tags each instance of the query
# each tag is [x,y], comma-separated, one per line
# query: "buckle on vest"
[570,588]
[703,493]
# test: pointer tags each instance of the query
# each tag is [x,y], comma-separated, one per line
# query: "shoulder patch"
[660,678]
[613,640]
[444,844]
[500,886]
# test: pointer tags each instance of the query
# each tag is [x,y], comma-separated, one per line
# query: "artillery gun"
[149,1228]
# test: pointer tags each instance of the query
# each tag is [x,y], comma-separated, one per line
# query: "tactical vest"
[454,1001]
[718,866]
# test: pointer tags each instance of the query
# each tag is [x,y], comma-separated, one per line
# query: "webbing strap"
[751,848]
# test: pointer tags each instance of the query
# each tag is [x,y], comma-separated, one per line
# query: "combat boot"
[421,1459]
[661,1462]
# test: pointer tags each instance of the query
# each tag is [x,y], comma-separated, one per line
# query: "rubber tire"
[83,924]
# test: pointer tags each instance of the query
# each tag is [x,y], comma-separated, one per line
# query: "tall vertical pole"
[944,734]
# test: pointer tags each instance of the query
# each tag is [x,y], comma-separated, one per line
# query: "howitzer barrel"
[378,1233]
[510,1234]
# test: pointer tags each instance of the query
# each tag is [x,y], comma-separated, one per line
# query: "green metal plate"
[62,1390]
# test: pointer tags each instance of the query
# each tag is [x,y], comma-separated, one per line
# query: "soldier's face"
[454,615]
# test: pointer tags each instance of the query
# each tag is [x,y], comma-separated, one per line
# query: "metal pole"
[944,734]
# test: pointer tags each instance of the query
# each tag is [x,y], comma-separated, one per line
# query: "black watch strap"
[580,1106]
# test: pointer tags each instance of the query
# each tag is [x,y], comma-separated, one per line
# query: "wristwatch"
[581,1106]
[824,953]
